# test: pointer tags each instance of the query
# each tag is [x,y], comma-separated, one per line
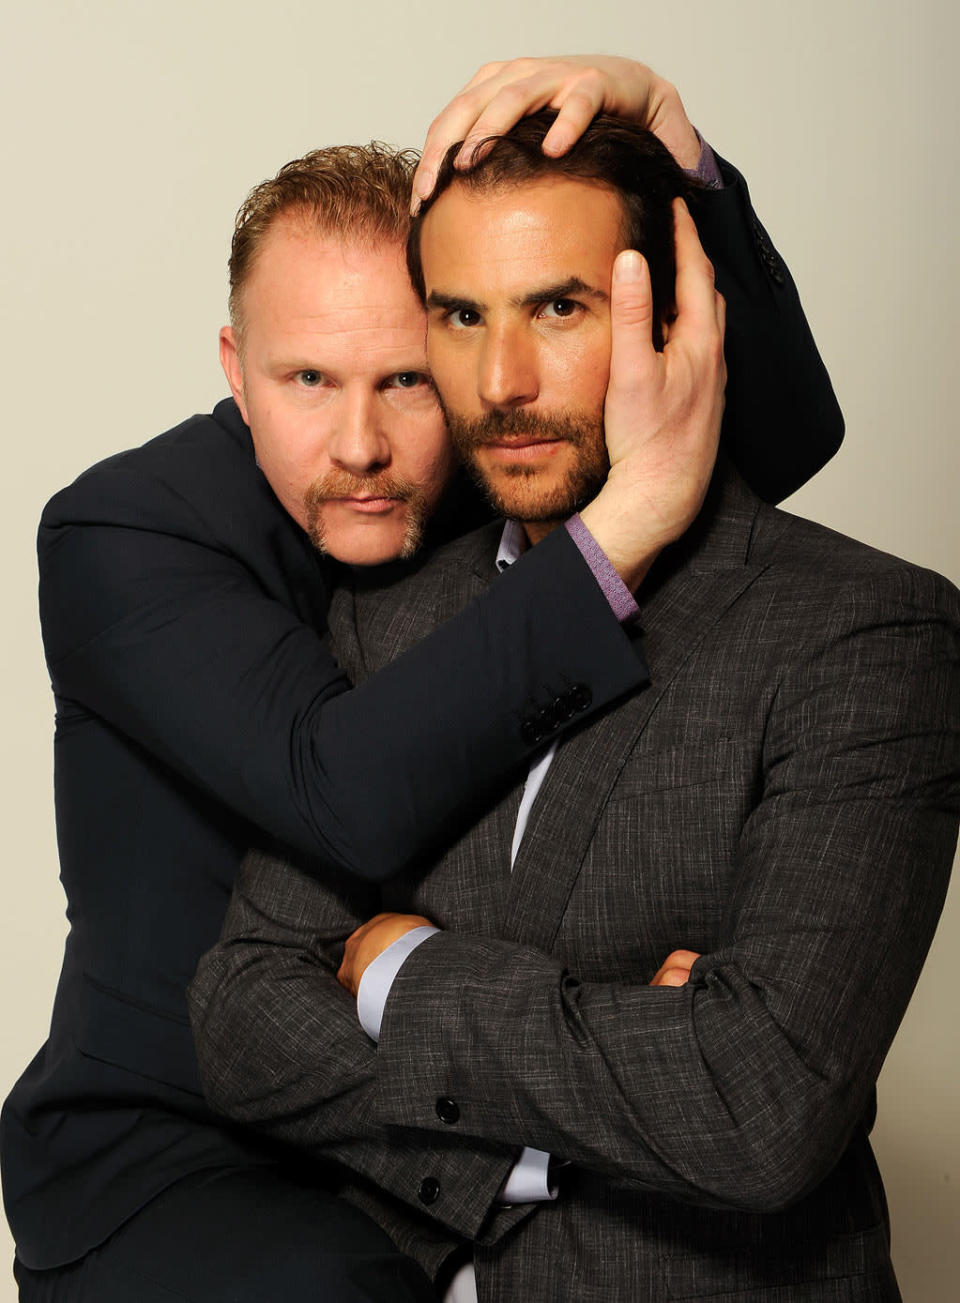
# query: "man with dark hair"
[780,799]
[199,711]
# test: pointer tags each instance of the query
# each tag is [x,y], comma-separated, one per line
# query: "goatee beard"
[343,484]
[529,496]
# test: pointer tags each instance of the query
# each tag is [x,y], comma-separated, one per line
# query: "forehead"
[306,285]
[531,232]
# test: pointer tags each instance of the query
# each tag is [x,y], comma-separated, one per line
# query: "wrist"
[628,545]
[671,125]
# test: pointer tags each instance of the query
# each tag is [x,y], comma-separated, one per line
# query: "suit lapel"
[694,587]
[476,875]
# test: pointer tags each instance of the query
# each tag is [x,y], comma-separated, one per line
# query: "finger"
[449,126]
[577,106]
[577,94]
[695,287]
[457,120]
[631,323]
[675,969]
[512,101]
[345,972]
[487,71]
[681,959]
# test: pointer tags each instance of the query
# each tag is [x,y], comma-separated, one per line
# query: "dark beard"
[341,484]
[528,500]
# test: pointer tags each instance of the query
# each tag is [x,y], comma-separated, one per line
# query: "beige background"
[132,130]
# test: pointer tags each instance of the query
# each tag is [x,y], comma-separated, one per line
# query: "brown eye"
[560,308]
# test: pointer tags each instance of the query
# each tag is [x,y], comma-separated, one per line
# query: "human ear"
[232,368]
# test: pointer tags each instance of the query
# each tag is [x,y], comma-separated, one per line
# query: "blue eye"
[310,379]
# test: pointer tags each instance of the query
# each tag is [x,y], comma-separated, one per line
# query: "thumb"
[631,321]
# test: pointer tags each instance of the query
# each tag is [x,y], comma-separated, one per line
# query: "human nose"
[508,372]
[358,442]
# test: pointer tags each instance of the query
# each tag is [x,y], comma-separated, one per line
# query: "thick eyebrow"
[542,294]
[452,302]
[549,293]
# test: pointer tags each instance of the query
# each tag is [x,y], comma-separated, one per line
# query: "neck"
[535,530]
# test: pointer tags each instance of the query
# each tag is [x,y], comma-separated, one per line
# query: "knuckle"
[462,103]
[590,80]
[513,95]
[580,98]
[633,311]
[436,125]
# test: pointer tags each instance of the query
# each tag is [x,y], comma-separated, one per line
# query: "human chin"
[534,467]
[365,523]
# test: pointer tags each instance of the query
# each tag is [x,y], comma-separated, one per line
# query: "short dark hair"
[626,159]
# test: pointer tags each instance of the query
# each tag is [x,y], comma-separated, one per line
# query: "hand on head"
[663,410]
[577,86]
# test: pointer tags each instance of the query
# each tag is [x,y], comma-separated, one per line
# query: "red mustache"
[344,484]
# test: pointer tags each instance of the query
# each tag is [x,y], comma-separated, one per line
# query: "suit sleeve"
[281,1049]
[782,422]
[154,627]
[744,1087]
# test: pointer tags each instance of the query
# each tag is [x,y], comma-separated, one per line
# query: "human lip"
[526,447]
[368,505]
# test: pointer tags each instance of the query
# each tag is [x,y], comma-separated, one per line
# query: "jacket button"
[530,732]
[429,1190]
[547,720]
[562,710]
[580,696]
[447,1111]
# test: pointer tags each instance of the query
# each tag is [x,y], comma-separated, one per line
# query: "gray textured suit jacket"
[782,797]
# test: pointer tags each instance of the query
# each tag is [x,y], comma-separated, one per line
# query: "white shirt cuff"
[378,978]
[528,1181]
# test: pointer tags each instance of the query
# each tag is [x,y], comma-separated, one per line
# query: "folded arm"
[281,1050]
[742,1087]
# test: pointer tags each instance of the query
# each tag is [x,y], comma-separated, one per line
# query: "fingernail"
[627,266]
[555,145]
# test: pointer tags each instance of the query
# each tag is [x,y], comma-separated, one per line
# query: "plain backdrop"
[132,131]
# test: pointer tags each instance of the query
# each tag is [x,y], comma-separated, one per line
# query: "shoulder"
[825,583]
[199,479]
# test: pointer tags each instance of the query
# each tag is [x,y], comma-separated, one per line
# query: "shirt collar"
[513,544]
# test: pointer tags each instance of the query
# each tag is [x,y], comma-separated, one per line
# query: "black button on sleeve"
[447,1111]
[428,1190]
[580,696]
[547,720]
[530,732]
